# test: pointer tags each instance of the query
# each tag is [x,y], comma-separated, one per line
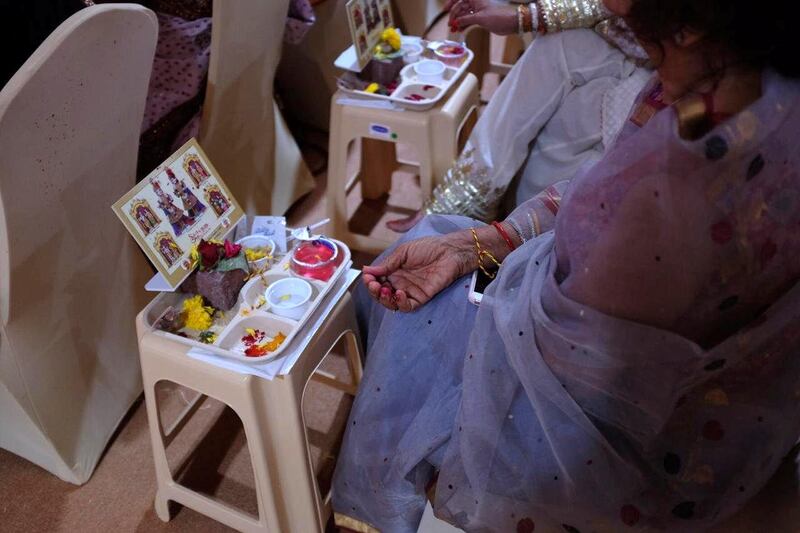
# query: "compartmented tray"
[250,312]
[410,85]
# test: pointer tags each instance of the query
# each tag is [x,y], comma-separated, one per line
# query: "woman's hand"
[500,19]
[418,270]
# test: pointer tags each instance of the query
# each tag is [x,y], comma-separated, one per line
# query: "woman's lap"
[403,416]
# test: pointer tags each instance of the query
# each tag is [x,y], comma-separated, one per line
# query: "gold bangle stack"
[484,254]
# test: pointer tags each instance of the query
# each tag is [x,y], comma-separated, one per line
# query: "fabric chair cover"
[240,131]
[71,279]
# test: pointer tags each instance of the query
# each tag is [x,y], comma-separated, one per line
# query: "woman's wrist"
[490,240]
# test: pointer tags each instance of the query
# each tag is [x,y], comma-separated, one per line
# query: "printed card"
[368,19]
[181,202]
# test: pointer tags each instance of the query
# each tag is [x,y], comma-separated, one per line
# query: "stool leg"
[353,350]
[336,196]
[162,507]
[284,433]
[163,474]
[378,162]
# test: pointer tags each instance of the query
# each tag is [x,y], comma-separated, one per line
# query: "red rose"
[210,254]
[232,250]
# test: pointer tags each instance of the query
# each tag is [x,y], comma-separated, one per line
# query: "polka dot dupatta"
[635,367]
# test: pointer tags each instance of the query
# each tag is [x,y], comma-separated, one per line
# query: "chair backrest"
[238,130]
[71,278]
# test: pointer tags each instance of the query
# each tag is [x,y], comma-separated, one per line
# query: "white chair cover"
[71,279]
[251,148]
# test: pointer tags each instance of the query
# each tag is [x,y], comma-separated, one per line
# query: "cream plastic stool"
[434,133]
[271,412]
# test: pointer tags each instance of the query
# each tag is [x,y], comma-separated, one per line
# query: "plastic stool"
[434,133]
[272,415]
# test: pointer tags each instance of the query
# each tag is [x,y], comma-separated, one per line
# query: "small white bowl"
[412,52]
[430,71]
[289,297]
[255,241]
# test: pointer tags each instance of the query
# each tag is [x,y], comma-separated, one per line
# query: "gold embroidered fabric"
[345,521]
[559,15]
[466,190]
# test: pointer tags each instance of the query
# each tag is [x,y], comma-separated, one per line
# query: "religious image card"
[181,202]
[368,19]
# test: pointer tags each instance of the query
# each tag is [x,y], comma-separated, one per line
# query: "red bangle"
[501,230]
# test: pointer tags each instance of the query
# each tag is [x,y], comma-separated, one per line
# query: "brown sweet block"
[220,289]
[384,71]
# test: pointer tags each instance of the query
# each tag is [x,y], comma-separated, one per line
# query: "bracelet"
[536,228]
[524,19]
[518,230]
[483,253]
[501,230]
[534,17]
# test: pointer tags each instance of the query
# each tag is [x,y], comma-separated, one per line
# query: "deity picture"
[386,12]
[194,167]
[167,248]
[176,216]
[191,204]
[167,213]
[367,20]
[216,199]
[362,44]
[358,17]
[143,214]
[375,14]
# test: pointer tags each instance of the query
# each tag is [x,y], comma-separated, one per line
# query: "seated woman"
[636,360]
[556,112]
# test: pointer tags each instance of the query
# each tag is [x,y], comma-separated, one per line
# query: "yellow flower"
[372,88]
[392,36]
[254,254]
[198,316]
[194,256]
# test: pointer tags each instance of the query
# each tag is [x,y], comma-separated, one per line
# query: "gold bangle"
[527,18]
[484,253]
[524,19]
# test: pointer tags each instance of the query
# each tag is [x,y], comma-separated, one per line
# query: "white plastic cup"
[258,241]
[412,52]
[449,58]
[430,71]
[289,298]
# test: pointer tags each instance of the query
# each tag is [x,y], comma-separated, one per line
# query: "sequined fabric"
[562,15]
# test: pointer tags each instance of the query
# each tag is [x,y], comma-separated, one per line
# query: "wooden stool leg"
[378,162]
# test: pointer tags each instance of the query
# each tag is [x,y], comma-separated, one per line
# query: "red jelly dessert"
[451,49]
[316,259]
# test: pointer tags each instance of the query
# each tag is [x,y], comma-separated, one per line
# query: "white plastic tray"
[409,84]
[248,314]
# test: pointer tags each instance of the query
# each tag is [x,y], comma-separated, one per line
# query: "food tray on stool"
[250,311]
[432,93]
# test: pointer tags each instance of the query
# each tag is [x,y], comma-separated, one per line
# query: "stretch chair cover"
[71,278]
